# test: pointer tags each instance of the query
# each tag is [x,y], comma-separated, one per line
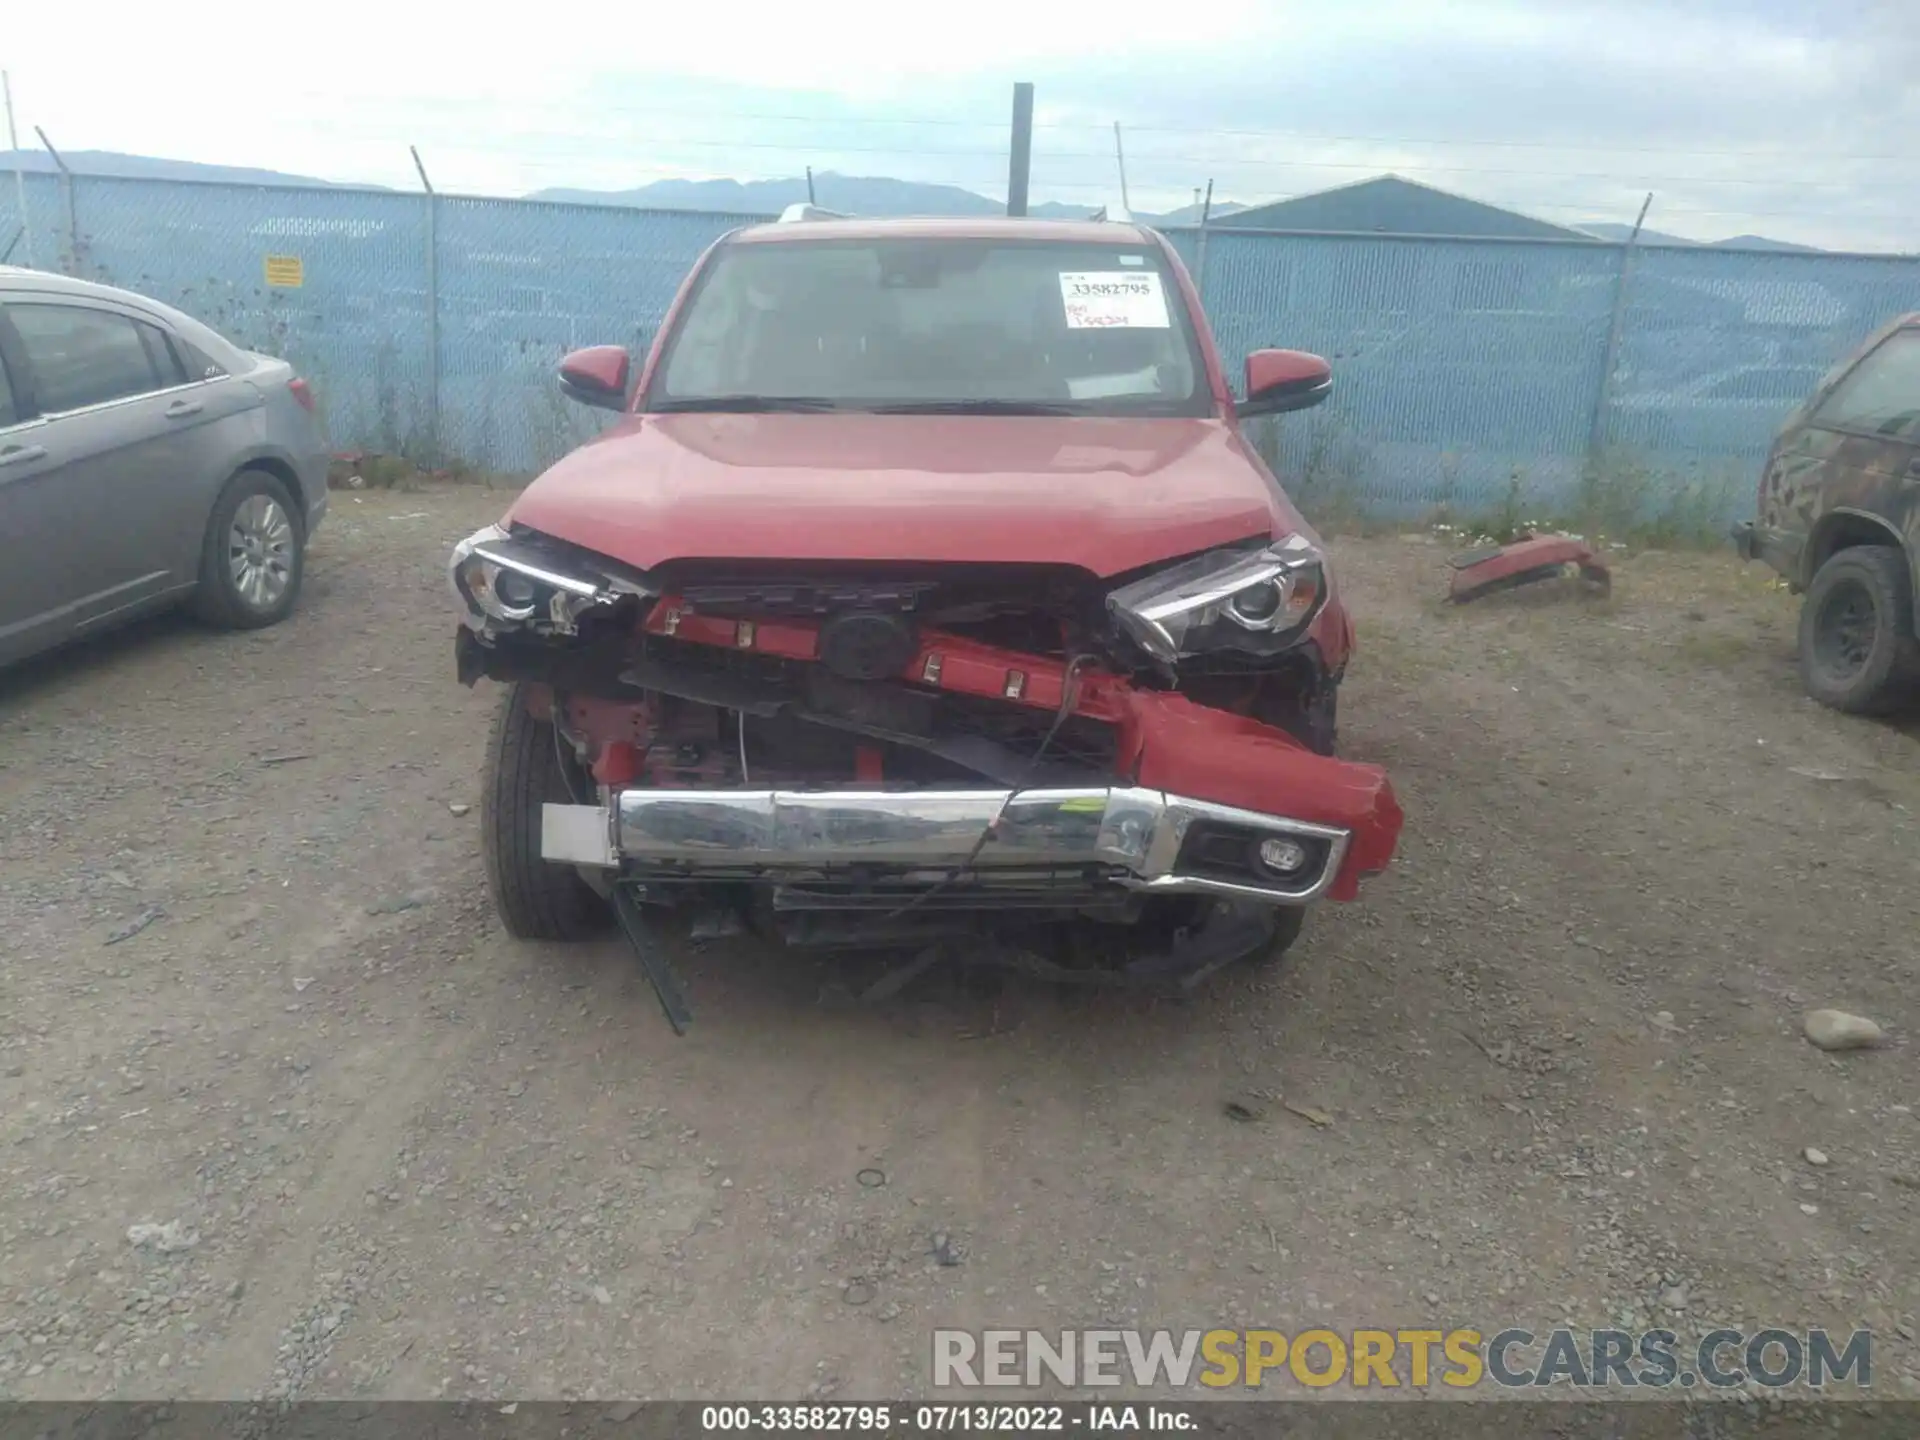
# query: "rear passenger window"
[9,408]
[83,357]
[200,366]
[160,351]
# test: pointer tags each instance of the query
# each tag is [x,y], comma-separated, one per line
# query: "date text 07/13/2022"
[910,1419]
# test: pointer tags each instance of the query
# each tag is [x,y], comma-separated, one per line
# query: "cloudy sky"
[1796,120]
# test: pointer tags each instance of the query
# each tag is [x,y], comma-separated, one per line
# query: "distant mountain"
[1190,214]
[148,167]
[1608,230]
[855,194]
[1761,242]
[858,195]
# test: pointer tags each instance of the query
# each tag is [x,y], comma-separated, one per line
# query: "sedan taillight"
[302,392]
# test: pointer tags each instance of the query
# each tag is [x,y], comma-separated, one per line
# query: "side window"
[9,407]
[83,357]
[1883,392]
[200,365]
[160,353]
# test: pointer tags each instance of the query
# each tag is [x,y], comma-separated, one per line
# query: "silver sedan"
[145,461]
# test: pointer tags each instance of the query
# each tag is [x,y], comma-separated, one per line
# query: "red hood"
[1106,495]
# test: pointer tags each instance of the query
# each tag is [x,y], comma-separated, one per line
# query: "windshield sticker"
[1114,299]
[1110,387]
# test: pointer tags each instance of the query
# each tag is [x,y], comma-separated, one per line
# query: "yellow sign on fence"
[284,272]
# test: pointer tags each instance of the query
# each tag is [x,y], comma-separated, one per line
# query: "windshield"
[932,325]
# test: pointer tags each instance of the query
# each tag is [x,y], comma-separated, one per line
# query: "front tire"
[1289,921]
[1858,652]
[253,556]
[537,899]
[1312,719]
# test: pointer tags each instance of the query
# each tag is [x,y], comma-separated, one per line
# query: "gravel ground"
[388,1152]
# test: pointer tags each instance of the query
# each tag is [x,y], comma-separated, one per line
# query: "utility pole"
[1120,158]
[810,185]
[1610,357]
[72,266]
[1020,160]
[433,309]
[19,169]
[1200,259]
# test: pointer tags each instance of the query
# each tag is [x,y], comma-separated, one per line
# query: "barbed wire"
[1202,162]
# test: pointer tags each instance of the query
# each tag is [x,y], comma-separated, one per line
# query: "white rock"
[167,1238]
[459,809]
[1816,1157]
[1837,1030]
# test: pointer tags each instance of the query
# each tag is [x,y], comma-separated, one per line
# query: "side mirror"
[597,376]
[1283,380]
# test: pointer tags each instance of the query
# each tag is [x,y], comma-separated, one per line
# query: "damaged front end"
[879,754]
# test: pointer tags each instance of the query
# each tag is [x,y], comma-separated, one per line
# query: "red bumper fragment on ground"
[1524,561]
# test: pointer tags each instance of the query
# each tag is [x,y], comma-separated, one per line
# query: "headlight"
[1258,600]
[527,580]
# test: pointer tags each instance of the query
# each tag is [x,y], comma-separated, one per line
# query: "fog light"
[1283,857]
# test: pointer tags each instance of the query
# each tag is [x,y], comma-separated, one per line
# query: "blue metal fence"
[1465,368]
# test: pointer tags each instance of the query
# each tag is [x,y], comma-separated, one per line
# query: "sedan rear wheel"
[253,556]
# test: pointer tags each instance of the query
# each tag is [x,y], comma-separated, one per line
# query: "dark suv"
[1839,517]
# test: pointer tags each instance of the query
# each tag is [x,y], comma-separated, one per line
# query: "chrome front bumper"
[1137,839]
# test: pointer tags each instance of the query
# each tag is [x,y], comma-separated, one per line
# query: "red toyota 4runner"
[928,584]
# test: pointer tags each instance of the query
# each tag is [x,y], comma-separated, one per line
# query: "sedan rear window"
[81,357]
[901,324]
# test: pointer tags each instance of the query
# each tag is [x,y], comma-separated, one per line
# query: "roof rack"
[804,211]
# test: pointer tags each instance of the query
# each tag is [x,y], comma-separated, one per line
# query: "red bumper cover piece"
[1536,557]
[1166,741]
[1169,743]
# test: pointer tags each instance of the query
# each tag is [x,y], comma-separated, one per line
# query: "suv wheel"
[1315,721]
[1291,919]
[527,767]
[1857,647]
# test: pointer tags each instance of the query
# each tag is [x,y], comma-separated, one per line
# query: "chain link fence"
[1469,373]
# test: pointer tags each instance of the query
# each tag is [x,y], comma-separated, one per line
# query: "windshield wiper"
[971,407]
[748,404]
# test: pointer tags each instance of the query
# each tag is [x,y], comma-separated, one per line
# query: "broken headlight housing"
[1259,600]
[513,580]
